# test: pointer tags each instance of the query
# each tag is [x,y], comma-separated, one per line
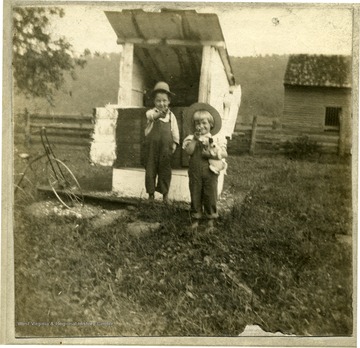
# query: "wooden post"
[125,75]
[342,134]
[205,74]
[27,128]
[253,136]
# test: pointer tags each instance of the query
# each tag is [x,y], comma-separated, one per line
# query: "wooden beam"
[27,128]
[125,75]
[343,133]
[225,59]
[205,75]
[170,42]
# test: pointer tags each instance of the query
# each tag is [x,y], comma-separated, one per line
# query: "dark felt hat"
[189,113]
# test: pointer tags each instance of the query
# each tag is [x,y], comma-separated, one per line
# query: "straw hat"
[189,113]
[162,87]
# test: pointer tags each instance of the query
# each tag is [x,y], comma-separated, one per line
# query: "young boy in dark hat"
[161,139]
[203,180]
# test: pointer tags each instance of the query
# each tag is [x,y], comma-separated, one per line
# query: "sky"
[248,29]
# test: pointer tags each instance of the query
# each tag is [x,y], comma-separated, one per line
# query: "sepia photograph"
[180,173]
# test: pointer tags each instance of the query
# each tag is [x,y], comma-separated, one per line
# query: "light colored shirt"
[169,117]
[218,140]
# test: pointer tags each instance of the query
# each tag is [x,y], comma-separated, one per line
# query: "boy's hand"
[158,114]
[174,147]
[162,113]
[197,133]
[206,153]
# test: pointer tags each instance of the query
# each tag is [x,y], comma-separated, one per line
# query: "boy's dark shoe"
[166,198]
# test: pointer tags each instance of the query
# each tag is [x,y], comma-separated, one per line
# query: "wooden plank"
[205,73]
[88,127]
[121,22]
[342,134]
[205,26]
[125,75]
[226,62]
[171,42]
[27,128]
[128,155]
[64,140]
[129,136]
[85,118]
[157,25]
[138,83]
[82,133]
[253,136]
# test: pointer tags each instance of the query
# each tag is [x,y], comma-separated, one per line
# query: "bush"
[303,147]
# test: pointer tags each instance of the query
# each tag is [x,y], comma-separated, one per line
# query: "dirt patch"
[44,209]
[227,201]
[108,217]
[99,217]
[141,228]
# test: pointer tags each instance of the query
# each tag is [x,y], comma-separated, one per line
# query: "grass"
[276,260]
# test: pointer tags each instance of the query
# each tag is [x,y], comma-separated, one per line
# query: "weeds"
[274,260]
[301,148]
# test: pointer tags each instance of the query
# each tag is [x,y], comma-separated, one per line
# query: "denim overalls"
[203,185]
[158,154]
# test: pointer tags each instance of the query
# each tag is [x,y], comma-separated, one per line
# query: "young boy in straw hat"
[205,122]
[161,139]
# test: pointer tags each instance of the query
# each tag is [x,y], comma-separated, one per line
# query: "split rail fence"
[266,139]
[77,130]
[73,130]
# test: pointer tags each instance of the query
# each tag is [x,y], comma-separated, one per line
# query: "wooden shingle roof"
[318,71]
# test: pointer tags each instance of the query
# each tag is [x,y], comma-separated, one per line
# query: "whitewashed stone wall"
[103,146]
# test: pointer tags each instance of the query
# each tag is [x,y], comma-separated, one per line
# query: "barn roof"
[170,33]
[318,71]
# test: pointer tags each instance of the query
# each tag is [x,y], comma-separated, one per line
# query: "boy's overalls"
[203,185]
[158,147]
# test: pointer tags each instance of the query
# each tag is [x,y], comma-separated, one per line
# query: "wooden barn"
[317,96]
[187,50]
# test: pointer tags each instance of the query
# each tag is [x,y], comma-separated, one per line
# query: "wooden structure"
[318,96]
[187,50]
[68,129]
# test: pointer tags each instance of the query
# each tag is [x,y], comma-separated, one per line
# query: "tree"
[39,61]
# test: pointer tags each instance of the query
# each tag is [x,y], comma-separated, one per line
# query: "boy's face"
[161,101]
[203,125]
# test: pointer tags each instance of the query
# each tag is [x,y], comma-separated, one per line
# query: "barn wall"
[305,106]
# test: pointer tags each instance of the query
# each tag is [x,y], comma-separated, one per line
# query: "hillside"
[261,80]
[96,85]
